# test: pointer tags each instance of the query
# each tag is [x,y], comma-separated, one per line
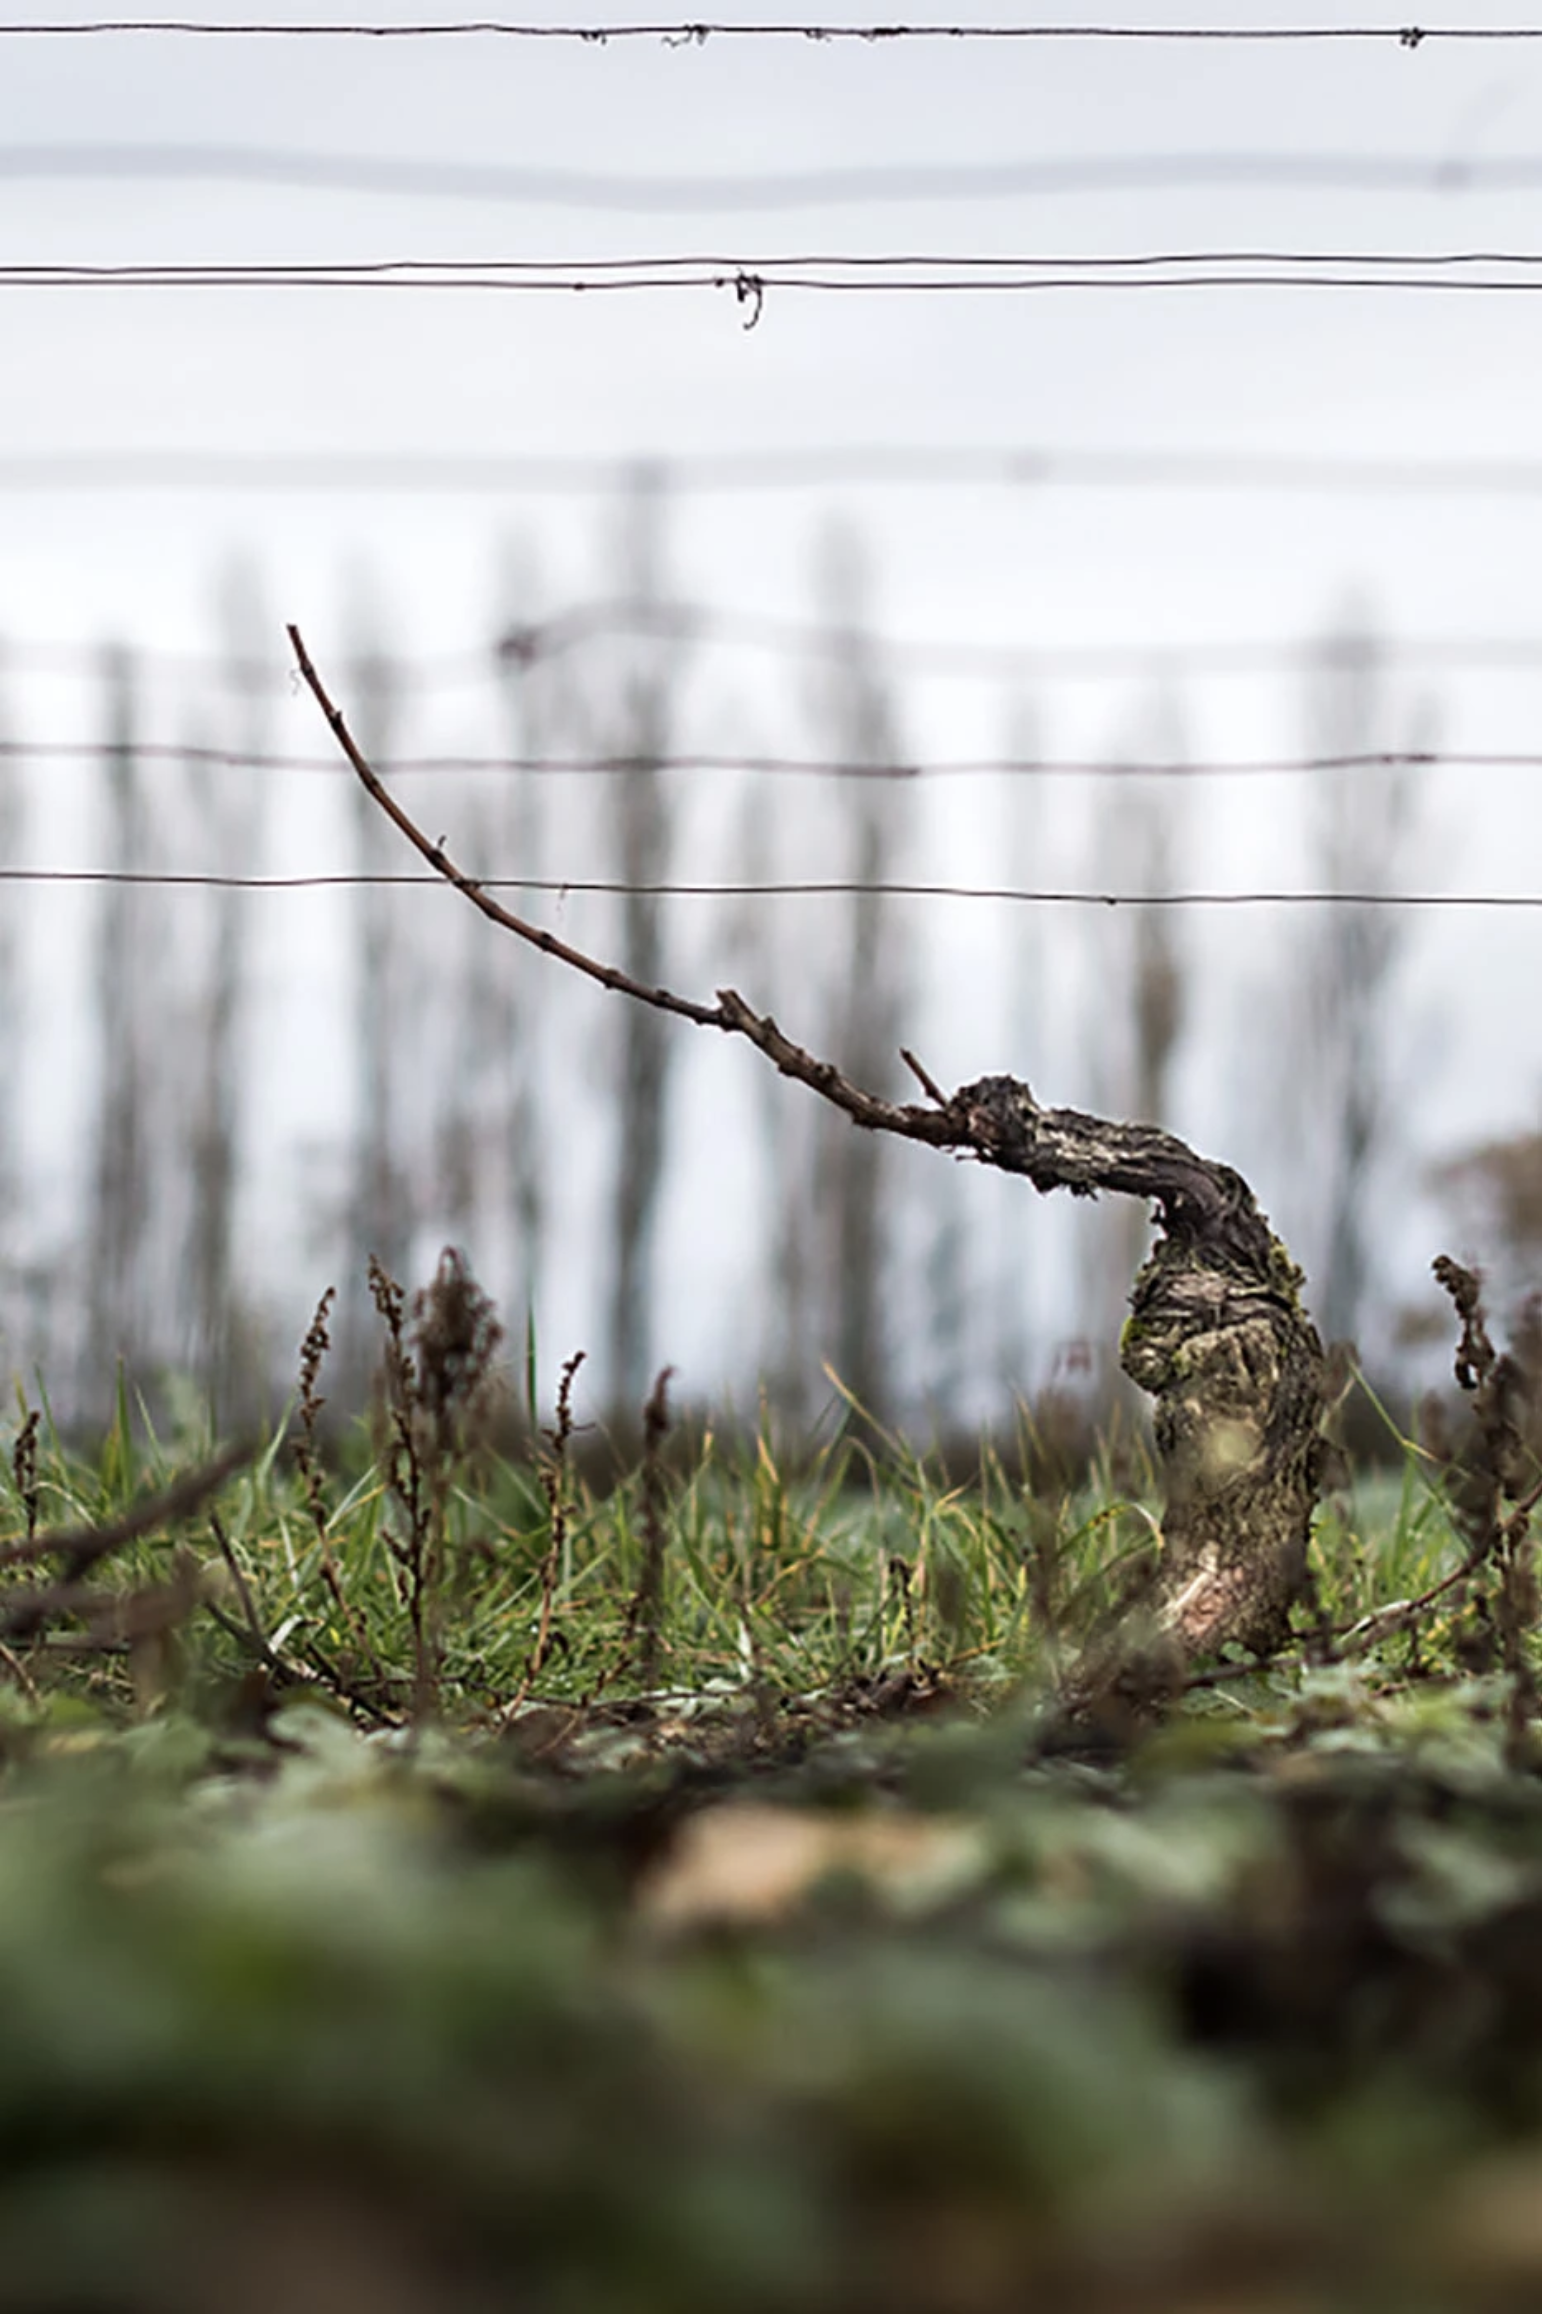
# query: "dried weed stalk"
[645,1615]
[24,1476]
[554,1470]
[307,1455]
[1493,1490]
[434,1385]
[24,1469]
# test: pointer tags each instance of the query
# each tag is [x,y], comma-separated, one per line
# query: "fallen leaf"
[748,1861]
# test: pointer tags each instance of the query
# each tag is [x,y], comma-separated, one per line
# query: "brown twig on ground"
[234,1627]
[318,1676]
[248,1632]
[81,1547]
[1217,1333]
[243,1589]
[117,1622]
[19,1672]
[25,1611]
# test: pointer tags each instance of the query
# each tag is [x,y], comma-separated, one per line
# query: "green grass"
[796,1975]
[783,1575]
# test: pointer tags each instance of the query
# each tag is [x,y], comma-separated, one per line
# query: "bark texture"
[1218,1336]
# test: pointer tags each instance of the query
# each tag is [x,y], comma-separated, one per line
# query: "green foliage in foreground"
[478,1887]
[457,2034]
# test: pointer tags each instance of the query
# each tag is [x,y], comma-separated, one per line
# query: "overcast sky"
[656,150]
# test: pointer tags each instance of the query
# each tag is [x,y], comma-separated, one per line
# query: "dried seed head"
[455,1338]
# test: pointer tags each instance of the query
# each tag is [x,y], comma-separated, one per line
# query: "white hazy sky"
[1341,374]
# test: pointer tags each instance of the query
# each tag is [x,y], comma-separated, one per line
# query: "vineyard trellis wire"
[790,888]
[751,279]
[695,33]
[707,625]
[312,170]
[796,767]
[1024,466]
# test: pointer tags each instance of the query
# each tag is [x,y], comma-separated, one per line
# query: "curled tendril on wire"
[749,289]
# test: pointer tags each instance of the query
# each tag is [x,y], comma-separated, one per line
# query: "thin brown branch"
[358,1693]
[730,1013]
[1353,1639]
[112,1617]
[324,1679]
[1368,1631]
[1363,1632]
[944,1129]
[705,1015]
[256,1646]
[997,1120]
[927,1083]
[253,1635]
[22,1676]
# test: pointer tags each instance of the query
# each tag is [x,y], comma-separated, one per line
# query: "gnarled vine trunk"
[1218,1337]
